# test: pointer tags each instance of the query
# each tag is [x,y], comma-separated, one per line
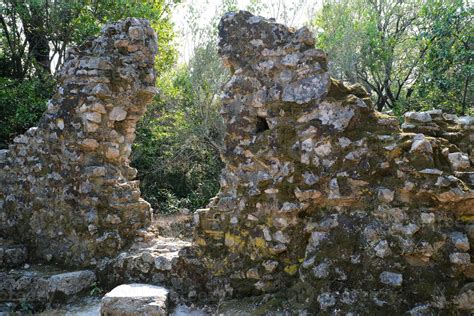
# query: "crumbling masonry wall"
[67,189]
[326,200]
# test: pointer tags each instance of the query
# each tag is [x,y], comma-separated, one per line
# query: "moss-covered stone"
[331,199]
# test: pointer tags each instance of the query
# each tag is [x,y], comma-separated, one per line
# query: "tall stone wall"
[67,189]
[326,200]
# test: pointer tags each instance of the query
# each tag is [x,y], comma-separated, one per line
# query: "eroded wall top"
[323,195]
[67,187]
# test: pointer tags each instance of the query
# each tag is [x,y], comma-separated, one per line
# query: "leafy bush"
[176,151]
[28,63]
[179,139]
[21,105]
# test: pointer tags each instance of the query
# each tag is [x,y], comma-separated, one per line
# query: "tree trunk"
[381,101]
[33,19]
[464,97]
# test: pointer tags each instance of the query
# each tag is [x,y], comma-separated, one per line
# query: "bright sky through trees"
[298,13]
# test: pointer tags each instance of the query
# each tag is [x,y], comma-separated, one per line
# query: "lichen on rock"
[323,198]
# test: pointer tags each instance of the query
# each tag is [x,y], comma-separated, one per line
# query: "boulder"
[135,300]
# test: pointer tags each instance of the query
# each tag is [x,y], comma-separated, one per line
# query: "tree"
[43,29]
[446,71]
[177,152]
[381,35]
[385,44]
[340,37]
[290,13]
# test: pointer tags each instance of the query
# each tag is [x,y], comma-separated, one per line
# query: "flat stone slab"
[39,285]
[134,300]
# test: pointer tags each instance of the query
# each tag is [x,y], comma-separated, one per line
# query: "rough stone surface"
[67,189]
[135,300]
[390,278]
[12,255]
[151,261]
[42,285]
[324,200]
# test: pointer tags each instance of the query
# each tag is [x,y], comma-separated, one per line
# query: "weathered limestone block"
[135,300]
[42,285]
[149,261]
[323,198]
[67,189]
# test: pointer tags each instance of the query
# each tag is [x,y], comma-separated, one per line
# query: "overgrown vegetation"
[21,104]
[34,38]
[178,143]
[411,55]
[180,138]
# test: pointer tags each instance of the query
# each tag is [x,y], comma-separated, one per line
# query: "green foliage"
[414,54]
[334,24]
[63,23]
[96,290]
[175,152]
[21,105]
[92,14]
[177,146]
[26,308]
[445,80]
[180,138]
[34,37]
[410,55]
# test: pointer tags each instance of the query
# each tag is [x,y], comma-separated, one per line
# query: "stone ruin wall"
[324,199]
[67,189]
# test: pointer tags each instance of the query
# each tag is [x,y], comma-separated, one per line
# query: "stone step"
[135,299]
[34,288]
[12,255]
[148,261]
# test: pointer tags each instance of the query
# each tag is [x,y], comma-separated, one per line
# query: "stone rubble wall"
[326,200]
[67,189]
